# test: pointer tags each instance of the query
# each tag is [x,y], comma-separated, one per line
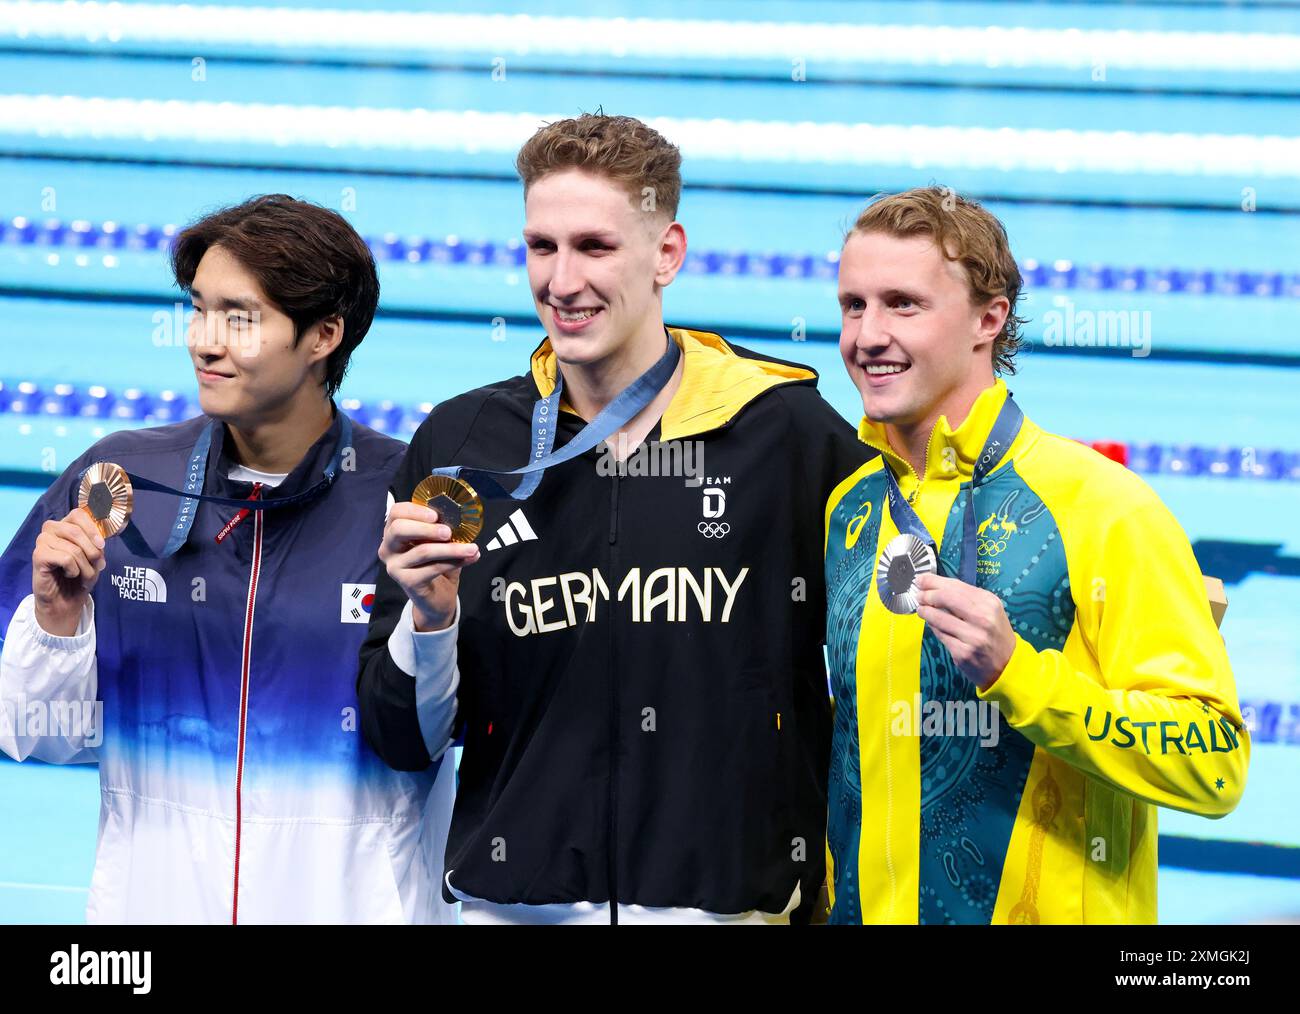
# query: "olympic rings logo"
[988,547]
[713,529]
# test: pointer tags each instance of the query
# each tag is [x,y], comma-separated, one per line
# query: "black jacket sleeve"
[834,450]
[385,693]
[827,452]
[830,450]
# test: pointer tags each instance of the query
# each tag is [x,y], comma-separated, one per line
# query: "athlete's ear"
[672,253]
[992,316]
[324,338]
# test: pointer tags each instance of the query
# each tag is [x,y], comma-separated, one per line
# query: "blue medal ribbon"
[191,495]
[1003,434]
[626,406]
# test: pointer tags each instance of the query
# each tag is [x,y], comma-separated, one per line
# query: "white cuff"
[58,672]
[430,658]
[417,652]
[83,638]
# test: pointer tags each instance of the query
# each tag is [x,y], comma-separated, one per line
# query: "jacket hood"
[717,381]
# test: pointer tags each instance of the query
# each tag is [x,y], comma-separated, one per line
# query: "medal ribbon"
[191,496]
[626,406]
[1000,439]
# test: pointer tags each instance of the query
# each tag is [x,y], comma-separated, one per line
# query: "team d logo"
[358,600]
[715,505]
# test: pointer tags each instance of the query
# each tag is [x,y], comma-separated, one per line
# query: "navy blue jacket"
[236,782]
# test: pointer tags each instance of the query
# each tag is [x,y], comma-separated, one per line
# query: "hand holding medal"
[971,623]
[69,555]
[427,542]
[900,564]
[424,549]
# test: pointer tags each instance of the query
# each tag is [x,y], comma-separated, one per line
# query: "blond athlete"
[998,755]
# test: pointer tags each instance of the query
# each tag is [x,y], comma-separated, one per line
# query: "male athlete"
[217,673]
[1003,739]
[641,688]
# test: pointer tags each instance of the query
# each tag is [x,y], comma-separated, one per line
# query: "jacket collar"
[716,381]
[951,452]
[307,473]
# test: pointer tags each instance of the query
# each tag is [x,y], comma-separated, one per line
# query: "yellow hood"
[716,382]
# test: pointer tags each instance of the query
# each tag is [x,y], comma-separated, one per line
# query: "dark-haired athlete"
[215,684]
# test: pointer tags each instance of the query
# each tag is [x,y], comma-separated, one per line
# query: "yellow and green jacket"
[1118,696]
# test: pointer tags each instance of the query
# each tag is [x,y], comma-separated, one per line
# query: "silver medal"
[900,562]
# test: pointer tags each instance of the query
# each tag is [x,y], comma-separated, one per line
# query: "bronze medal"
[106,495]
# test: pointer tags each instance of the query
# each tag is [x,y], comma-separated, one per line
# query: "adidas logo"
[508,536]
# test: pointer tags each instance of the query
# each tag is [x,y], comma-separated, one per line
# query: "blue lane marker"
[1212,856]
[66,401]
[1060,274]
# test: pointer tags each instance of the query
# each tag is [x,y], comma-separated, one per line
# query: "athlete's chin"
[218,405]
[887,406]
[577,350]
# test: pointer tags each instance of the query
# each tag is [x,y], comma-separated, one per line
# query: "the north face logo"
[140,584]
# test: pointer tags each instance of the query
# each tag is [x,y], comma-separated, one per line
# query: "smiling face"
[247,364]
[596,265]
[915,344]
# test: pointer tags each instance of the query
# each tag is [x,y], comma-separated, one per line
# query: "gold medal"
[457,504]
[900,562]
[106,495]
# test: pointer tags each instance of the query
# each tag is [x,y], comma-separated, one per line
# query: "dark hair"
[308,260]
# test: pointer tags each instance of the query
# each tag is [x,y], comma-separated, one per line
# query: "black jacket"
[643,693]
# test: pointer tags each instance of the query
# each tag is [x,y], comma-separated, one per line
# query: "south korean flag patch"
[358,600]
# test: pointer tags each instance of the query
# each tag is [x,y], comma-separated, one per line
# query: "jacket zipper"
[886,450]
[612,837]
[234,522]
[243,701]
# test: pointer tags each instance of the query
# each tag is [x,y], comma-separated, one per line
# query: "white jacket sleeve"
[48,690]
[430,657]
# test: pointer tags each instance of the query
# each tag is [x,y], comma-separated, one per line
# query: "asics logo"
[855,525]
